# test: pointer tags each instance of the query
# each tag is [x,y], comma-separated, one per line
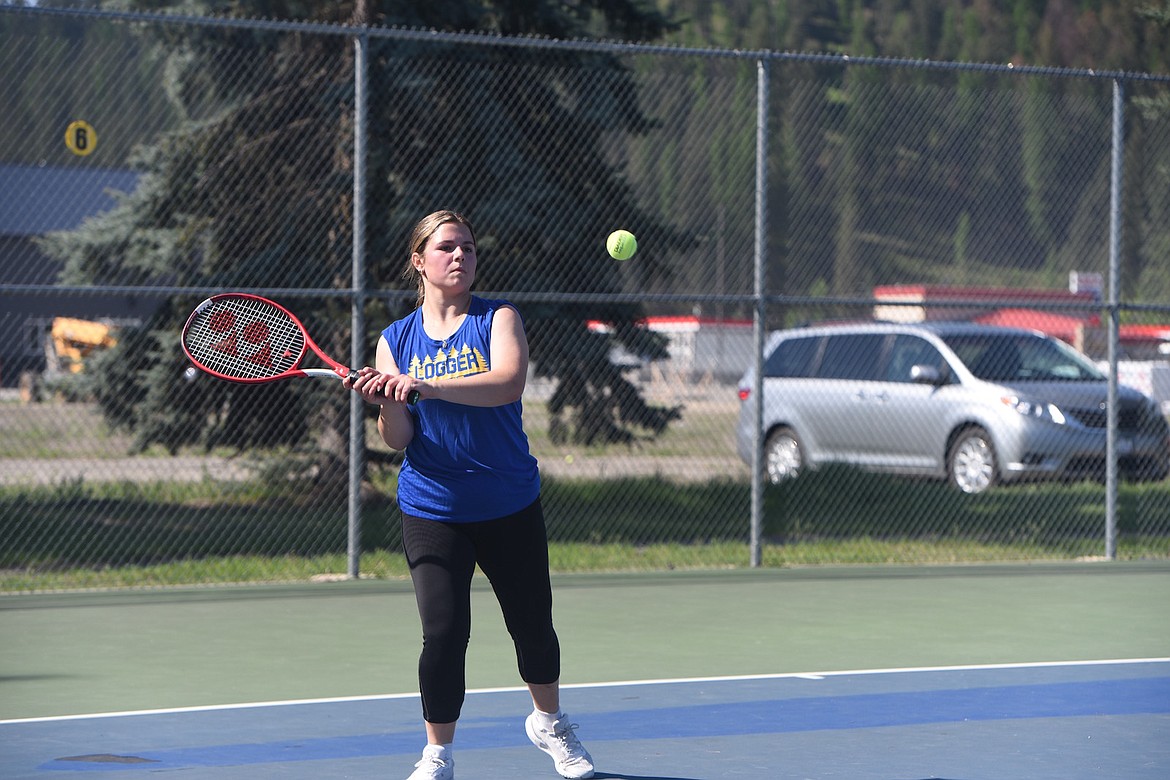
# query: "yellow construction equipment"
[73,340]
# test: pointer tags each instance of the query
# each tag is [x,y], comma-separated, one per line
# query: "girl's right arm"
[378,386]
[395,423]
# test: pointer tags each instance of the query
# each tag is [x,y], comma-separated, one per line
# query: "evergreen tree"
[253,190]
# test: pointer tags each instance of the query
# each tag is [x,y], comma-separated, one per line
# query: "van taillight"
[745,393]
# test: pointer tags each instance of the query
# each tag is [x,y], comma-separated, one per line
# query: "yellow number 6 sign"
[80,138]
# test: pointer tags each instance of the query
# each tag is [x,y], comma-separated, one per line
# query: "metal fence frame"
[759,300]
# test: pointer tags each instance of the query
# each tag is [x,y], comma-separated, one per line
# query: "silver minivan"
[975,404]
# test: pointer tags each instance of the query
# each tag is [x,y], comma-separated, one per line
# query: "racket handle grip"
[412,399]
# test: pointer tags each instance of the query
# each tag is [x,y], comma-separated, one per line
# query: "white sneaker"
[569,757]
[436,764]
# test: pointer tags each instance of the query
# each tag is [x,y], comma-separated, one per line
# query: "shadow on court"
[612,776]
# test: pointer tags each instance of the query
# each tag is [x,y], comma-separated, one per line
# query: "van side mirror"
[926,375]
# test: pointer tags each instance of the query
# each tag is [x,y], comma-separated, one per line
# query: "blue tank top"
[465,463]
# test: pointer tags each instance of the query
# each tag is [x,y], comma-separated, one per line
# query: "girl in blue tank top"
[447,383]
[464,463]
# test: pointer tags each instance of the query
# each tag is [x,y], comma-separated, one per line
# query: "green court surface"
[66,654]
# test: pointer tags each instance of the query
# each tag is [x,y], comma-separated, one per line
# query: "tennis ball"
[621,245]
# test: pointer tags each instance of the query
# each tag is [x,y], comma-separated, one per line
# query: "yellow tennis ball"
[621,245]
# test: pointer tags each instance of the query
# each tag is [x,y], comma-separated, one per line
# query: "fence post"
[759,316]
[1115,187]
[357,428]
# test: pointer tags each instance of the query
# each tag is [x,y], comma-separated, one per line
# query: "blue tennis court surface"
[1060,721]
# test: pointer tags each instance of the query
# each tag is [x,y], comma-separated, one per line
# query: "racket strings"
[244,338]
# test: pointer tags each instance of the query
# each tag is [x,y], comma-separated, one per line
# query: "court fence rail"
[150,160]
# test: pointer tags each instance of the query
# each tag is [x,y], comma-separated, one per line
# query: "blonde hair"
[426,227]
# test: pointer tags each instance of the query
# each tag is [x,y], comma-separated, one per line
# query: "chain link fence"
[150,161]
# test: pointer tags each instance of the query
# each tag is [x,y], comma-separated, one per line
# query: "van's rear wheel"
[783,455]
[971,461]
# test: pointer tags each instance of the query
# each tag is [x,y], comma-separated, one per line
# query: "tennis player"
[469,489]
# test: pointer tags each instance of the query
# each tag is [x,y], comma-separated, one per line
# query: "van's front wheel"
[971,461]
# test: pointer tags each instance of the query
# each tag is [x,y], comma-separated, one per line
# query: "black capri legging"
[513,552]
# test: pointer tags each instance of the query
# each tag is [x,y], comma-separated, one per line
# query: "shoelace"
[434,761]
[564,734]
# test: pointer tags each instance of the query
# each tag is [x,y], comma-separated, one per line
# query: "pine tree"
[253,190]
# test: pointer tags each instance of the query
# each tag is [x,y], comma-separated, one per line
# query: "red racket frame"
[260,338]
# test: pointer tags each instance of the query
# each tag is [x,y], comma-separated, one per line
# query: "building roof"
[933,293]
[1063,326]
[39,199]
[1154,333]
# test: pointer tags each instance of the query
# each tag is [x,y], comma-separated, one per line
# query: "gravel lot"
[47,443]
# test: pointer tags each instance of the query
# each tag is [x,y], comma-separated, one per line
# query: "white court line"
[616,684]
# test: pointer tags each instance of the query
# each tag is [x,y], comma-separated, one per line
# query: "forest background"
[1034,237]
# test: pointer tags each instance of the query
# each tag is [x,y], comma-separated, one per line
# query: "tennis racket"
[245,338]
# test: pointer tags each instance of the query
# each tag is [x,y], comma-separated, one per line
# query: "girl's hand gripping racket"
[246,338]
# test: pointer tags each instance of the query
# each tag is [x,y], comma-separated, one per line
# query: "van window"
[852,356]
[910,351]
[792,357]
[1015,357]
